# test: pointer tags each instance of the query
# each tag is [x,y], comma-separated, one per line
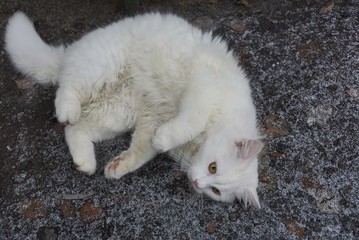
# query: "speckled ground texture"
[303,61]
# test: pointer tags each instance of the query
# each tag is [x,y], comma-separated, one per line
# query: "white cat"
[178,88]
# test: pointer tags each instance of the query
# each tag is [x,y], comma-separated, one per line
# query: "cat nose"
[196,183]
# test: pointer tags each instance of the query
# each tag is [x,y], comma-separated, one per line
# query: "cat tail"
[29,53]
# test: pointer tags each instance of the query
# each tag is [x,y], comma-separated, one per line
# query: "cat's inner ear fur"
[248,149]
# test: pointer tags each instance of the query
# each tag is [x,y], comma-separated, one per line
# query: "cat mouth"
[196,187]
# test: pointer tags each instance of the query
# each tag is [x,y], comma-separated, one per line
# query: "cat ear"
[248,149]
[250,197]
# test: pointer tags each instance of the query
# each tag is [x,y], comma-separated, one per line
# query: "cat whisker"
[183,164]
[177,166]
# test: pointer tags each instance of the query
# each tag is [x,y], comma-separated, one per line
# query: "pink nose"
[196,183]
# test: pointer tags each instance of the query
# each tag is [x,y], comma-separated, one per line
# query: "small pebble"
[211,229]
[20,177]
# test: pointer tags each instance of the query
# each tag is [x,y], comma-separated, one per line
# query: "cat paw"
[68,107]
[118,167]
[162,141]
[68,112]
[87,167]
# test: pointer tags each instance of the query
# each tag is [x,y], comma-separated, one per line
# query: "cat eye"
[212,168]
[216,191]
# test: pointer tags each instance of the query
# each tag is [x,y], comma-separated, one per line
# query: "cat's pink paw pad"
[113,168]
[114,163]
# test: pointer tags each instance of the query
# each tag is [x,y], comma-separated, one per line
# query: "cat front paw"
[68,106]
[118,167]
[68,111]
[162,140]
[88,167]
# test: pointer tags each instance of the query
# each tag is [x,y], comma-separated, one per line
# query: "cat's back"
[161,27]
[161,53]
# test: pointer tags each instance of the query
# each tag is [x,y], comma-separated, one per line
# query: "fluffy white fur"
[178,88]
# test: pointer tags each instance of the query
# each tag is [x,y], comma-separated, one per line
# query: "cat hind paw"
[116,168]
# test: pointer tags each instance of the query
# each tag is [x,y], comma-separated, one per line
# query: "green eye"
[212,168]
[216,191]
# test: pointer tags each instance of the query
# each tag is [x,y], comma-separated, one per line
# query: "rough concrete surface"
[303,61]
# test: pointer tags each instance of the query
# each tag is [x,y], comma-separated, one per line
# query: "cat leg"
[77,87]
[139,153]
[97,126]
[79,141]
[195,110]
[68,105]
[89,64]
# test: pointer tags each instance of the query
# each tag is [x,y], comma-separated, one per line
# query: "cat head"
[226,169]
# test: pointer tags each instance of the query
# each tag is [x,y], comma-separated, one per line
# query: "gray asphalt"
[303,61]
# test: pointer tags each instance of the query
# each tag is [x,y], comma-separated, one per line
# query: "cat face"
[227,169]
